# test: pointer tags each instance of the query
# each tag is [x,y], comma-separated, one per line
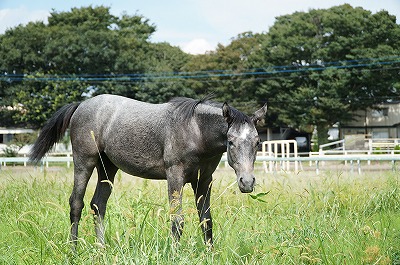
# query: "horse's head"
[242,144]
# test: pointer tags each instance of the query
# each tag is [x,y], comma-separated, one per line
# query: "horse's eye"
[230,143]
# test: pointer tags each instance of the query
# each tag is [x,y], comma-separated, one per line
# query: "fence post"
[351,167]
[279,149]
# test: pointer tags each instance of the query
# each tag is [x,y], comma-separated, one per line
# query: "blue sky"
[194,25]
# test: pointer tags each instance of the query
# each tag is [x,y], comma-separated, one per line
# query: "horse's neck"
[212,124]
[210,116]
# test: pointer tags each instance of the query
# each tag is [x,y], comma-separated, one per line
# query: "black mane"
[239,117]
[185,108]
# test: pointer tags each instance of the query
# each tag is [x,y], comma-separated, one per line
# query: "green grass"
[334,218]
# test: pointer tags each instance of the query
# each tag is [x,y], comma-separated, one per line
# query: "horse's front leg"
[202,191]
[175,186]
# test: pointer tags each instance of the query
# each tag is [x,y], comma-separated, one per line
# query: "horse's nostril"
[243,182]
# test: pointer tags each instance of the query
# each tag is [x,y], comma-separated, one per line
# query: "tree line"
[313,68]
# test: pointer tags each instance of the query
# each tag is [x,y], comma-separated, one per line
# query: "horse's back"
[107,113]
[130,132]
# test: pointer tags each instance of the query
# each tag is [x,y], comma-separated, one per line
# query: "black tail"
[52,132]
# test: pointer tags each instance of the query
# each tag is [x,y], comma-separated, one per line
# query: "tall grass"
[336,218]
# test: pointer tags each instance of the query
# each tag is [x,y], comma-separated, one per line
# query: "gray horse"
[181,141]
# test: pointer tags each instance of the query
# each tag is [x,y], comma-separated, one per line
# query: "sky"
[196,26]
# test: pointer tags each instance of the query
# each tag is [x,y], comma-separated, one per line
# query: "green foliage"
[318,67]
[80,45]
[313,68]
[330,40]
[258,196]
[221,71]
[334,218]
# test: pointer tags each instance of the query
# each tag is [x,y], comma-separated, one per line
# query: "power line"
[199,75]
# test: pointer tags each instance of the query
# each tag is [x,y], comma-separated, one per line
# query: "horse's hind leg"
[82,172]
[106,171]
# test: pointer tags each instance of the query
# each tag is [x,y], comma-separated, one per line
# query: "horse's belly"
[139,164]
[148,172]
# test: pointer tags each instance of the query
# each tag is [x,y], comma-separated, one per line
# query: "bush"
[11,150]
[19,141]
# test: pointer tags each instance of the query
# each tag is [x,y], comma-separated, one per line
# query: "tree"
[313,68]
[337,60]
[230,72]
[46,66]
[161,82]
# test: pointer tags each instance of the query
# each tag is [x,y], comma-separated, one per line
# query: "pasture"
[333,218]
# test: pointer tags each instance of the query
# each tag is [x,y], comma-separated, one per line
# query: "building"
[303,139]
[381,122]
[8,134]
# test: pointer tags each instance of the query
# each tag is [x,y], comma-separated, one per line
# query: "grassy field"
[333,218]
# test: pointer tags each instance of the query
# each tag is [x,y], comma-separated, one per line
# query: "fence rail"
[277,162]
[370,146]
[66,158]
[352,159]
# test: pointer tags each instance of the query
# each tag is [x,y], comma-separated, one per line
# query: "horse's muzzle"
[246,183]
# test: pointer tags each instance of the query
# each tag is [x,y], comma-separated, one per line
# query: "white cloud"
[10,18]
[197,46]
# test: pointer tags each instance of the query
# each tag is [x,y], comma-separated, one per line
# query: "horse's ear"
[226,112]
[259,114]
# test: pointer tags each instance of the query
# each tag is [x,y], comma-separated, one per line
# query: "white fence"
[279,149]
[62,158]
[271,163]
[352,159]
[368,146]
